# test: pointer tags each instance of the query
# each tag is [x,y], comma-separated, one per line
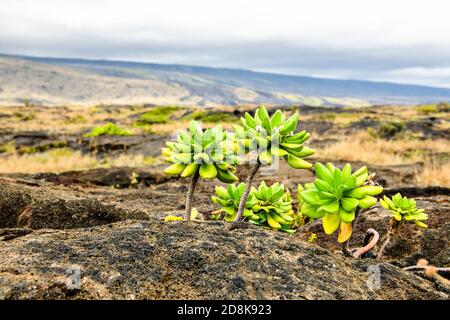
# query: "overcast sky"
[400,41]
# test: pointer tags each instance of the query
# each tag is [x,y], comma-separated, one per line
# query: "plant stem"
[393,226]
[190,196]
[369,246]
[415,268]
[248,186]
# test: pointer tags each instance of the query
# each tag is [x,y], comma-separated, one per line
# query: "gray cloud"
[366,53]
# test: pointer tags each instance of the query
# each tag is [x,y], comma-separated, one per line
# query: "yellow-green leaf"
[330,223]
[172,218]
[345,232]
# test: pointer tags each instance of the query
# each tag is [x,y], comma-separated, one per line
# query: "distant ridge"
[53,81]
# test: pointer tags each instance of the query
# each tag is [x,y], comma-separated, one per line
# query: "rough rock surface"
[157,260]
[118,242]
[36,210]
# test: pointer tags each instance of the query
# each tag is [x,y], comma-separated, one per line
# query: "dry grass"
[60,160]
[360,146]
[433,175]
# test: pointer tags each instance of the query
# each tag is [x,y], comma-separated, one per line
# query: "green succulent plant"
[336,195]
[403,208]
[207,154]
[272,207]
[228,198]
[271,137]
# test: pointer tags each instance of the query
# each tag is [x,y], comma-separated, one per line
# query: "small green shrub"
[109,129]
[271,137]
[207,154]
[387,130]
[228,198]
[326,116]
[25,116]
[8,147]
[221,117]
[443,107]
[427,109]
[312,237]
[42,147]
[272,208]
[335,196]
[266,206]
[78,119]
[157,115]
[402,208]
[196,115]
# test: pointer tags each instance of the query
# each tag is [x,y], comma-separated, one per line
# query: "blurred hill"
[54,81]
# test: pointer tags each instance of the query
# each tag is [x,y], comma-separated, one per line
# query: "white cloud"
[360,38]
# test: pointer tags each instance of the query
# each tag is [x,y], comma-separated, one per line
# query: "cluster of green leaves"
[427,109]
[335,196]
[273,136]
[157,115]
[265,206]
[109,129]
[210,152]
[211,117]
[273,207]
[387,130]
[404,208]
[228,198]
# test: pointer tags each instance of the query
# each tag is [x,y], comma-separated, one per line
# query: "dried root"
[430,270]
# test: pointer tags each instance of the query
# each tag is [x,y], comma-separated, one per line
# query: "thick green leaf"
[290,124]
[346,172]
[332,207]
[330,223]
[311,211]
[323,173]
[276,152]
[361,176]
[367,202]
[321,185]
[311,196]
[297,163]
[249,120]
[421,224]
[337,178]
[208,171]
[221,192]
[349,204]
[175,169]
[276,119]
[346,216]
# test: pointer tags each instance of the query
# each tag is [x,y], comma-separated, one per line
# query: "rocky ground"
[101,225]
[123,249]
